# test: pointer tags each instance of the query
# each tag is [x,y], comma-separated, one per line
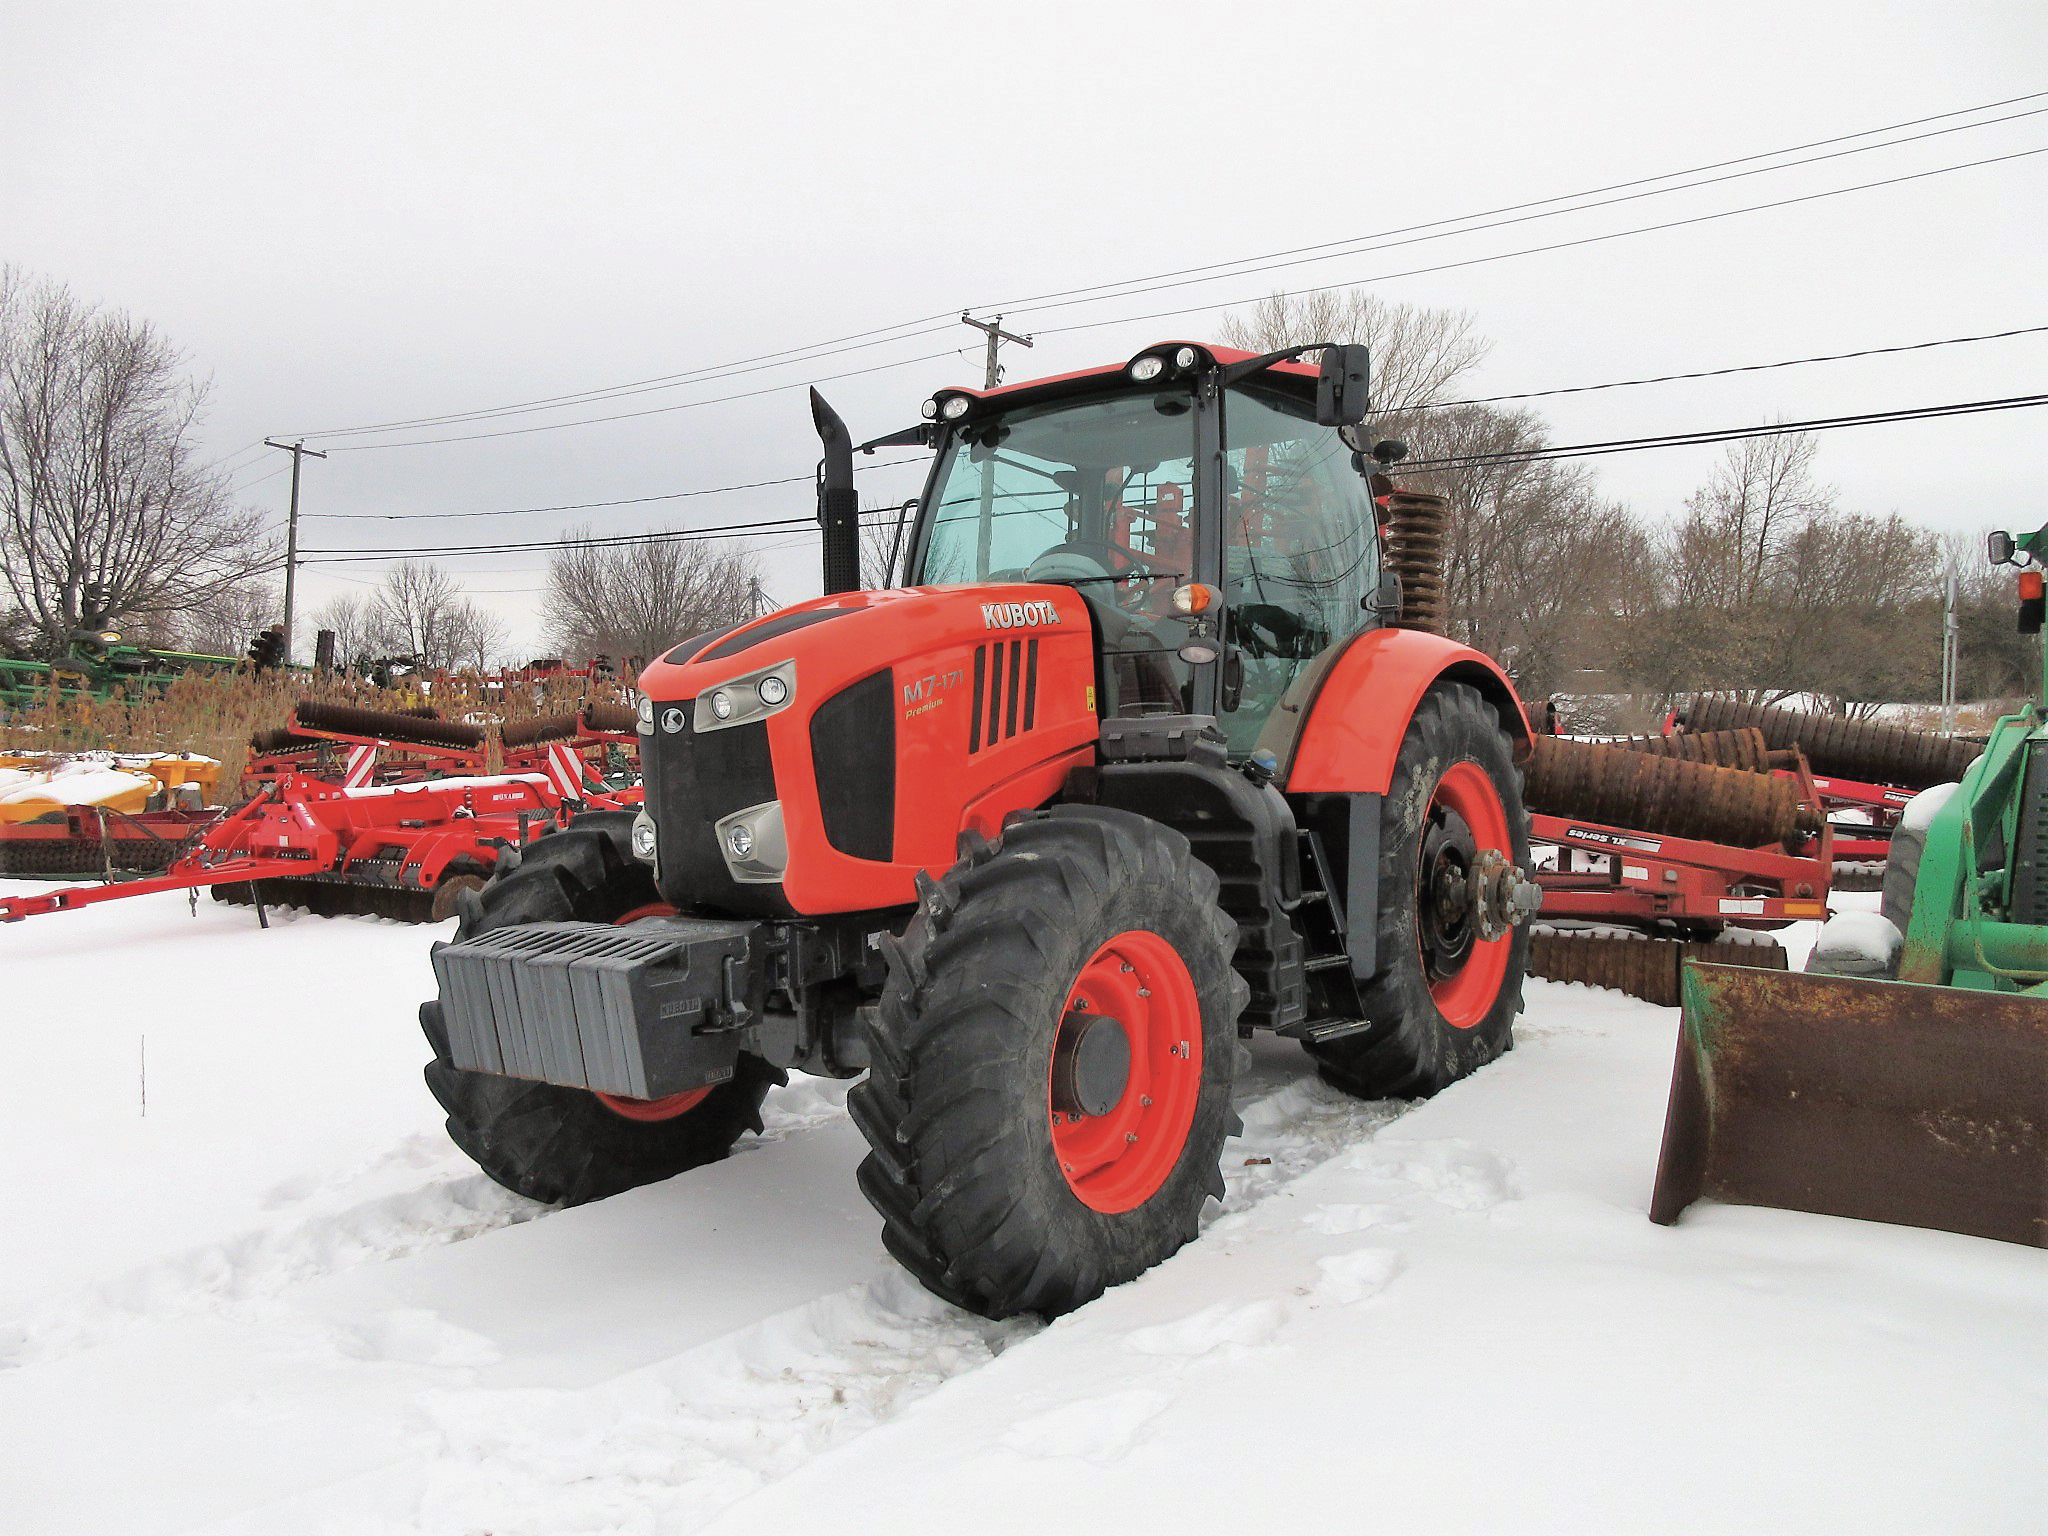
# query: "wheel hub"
[1091,1064]
[1449,853]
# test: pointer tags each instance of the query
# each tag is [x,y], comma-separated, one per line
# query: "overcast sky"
[349,215]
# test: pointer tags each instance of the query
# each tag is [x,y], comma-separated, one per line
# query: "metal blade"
[1880,1100]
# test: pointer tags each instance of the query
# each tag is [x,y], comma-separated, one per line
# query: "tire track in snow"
[669,1446]
[251,1272]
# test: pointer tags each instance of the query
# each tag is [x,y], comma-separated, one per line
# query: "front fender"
[1357,710]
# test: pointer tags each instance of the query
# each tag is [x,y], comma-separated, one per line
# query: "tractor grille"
[693,780]
[1005,691]
[853,753]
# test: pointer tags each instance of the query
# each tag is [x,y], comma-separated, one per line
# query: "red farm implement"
[1659,858]
[402,850]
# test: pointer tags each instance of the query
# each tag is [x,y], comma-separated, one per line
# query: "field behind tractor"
[215,714]
[247,1286]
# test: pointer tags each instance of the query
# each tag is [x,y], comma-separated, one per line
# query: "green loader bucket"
[1882,1100]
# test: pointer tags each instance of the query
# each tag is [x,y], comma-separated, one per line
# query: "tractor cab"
[1202,502]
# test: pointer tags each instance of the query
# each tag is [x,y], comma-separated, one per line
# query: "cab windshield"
[1098,494]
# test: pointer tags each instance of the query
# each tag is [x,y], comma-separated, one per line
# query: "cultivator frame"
[303,841]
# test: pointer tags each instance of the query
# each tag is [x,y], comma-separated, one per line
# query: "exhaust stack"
[838,502]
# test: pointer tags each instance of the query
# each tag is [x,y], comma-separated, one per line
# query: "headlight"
[755,847]
[749,697]
[645,711]
[643,840]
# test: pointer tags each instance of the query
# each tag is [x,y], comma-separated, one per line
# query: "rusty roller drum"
[1850,749]
[613,719]
[1412,542]
[387,725]
[1644,967]
[279,740]
[1617,788]
[1744,749]
[541,728]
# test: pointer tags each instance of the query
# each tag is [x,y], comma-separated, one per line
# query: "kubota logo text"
[1017,615]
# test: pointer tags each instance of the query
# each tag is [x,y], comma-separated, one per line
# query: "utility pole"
[298,451]
[993,329]
[1951,656]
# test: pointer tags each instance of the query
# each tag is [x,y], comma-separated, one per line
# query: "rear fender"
[1355,713]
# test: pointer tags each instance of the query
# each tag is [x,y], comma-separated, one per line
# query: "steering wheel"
[1105,556]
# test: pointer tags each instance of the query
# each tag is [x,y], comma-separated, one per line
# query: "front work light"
[1146,369]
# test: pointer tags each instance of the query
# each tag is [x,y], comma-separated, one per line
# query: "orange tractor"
[1141,760]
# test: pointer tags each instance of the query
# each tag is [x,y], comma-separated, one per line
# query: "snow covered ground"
[246,1286]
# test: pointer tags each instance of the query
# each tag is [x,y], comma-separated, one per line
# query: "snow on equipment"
[1135,766]
[101,812]
[1903,1077]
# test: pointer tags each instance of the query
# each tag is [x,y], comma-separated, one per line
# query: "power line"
[1557,245]
[1365,244]
[882,335]
[1087,325]
[585,506]
[1533,394]
[626,391]
[1716,373]
[1706,437]
[1561,197]
[1730,434]
[659,410]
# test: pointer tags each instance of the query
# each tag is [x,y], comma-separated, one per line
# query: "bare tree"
[1418,354]
[1538,567]
[415,613]
[1769,588]
[884,546]
[476,637]
[626,600]
[226,623]
[104,503]
[352,619]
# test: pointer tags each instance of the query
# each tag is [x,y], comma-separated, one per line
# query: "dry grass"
[215,714]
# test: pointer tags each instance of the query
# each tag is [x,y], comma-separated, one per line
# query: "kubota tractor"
[1139,761]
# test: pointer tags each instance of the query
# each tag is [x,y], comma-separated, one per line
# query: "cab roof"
[1052,386]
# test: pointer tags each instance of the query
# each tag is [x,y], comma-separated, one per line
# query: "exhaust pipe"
[838,502]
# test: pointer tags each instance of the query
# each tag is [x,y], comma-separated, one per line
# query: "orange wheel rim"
[1117,1151]
[1465,972]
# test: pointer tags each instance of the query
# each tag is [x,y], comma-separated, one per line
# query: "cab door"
[1300,552]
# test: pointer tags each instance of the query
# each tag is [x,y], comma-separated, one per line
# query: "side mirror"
[2000,548]
[1341,386]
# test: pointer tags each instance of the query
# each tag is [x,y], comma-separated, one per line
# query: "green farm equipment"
[1904,1076]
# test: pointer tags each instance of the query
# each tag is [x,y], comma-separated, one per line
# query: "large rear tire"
[566,1146]
[1052,1064]
[1444,1001]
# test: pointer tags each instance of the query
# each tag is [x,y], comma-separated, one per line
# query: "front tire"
[565,1146]
[1052,1064]
[1444,1001]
